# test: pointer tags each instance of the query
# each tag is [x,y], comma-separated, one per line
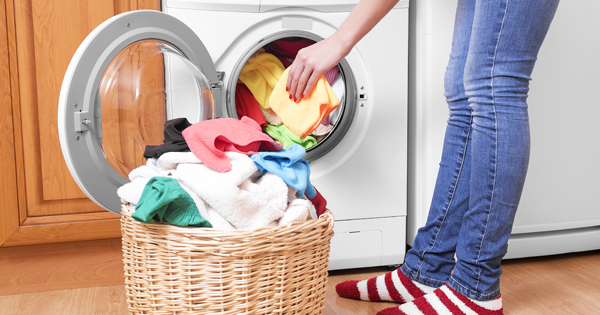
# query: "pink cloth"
[209,139]
[322,130]
[331,74]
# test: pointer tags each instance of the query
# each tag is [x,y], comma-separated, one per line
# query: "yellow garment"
[260,74]
[304,117]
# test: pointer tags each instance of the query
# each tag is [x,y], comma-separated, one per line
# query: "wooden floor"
[562,284]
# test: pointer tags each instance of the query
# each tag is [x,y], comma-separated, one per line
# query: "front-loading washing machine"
[139,69]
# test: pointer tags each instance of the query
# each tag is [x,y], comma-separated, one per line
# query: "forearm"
[361,20]
[313,61]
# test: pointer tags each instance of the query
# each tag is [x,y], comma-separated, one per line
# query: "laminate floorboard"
[108,300]
[561,284]
[61,266]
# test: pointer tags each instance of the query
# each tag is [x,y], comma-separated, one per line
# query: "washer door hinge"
[81,121]
[219,83]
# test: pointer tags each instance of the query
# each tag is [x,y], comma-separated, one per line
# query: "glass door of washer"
[129,76]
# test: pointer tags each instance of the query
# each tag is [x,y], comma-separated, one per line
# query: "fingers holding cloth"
[313,61]
[310,64]
[304,117]
[313,100]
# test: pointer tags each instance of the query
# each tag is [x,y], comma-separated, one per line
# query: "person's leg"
[431,259]
[505,40]
[429,263]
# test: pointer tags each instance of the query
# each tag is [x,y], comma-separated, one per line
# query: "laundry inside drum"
[147,83]
[262,70]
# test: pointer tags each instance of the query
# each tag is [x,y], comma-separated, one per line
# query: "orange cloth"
[304,117]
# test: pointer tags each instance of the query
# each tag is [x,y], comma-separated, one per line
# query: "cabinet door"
[51,207]
[8,185]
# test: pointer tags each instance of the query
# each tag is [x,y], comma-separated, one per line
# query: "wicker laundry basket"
[186,270]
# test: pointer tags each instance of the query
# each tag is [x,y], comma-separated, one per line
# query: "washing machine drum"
[281,48]
[130,75]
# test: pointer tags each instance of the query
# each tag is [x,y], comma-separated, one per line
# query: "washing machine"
[139,69]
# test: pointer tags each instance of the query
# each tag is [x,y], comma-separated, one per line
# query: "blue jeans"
[486,146]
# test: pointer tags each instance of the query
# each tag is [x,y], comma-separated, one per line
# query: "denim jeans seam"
[416,276]
[463,288]
[462,161]
[496,143]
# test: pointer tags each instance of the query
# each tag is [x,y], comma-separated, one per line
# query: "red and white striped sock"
[393,286]
[446,301]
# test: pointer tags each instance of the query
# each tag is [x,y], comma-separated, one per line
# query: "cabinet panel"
[42,37]
[58,27]
[8,185]
[48,33]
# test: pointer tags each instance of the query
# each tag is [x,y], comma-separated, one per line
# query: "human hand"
[310,63]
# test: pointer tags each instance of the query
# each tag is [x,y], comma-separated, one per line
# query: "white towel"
[169,161]
[245,199]
[297,211]
[216,220]
[132,192]
[339,89]
[292,194]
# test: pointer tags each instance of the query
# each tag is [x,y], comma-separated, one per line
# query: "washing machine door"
[129,76]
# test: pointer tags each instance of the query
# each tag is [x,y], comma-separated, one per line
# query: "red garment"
[318,202]
[287,47]
[209,140]
[246,105]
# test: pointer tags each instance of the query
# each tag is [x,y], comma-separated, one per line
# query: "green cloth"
[282,134]
[163,200]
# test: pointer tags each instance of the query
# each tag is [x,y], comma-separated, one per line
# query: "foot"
[446,301]
[393,287]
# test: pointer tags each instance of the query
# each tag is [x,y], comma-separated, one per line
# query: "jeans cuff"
[454,284]
[415,277]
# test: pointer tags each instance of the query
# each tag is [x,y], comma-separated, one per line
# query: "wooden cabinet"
[39,201]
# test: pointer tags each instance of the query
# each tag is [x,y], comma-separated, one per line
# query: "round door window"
[276,53]
[144,85]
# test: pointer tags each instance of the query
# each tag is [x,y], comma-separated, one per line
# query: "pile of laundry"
[242,174]
[261,95]
[222,173]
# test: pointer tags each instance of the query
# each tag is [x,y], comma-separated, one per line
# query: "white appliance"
[137,61]
[558,212]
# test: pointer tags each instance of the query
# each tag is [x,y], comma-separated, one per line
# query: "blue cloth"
[289,165]
[486,146]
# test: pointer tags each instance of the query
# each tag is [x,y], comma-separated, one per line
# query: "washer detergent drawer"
[368,243]
[319,5]
[215,5]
